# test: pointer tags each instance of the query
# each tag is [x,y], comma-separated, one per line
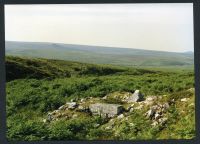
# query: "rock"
[75,116]
[96,125]
[131,109]
[108,127]
[132,105]
[62,107]
[165,106]
[54,112]
[105,97]
[157,116]
[82,100]
[59,115]
[72,105]
[128,108]
[49,117]
[192,104]
[107,110]
[154,123]
[45,120]
[111,120]
[120,116]
[136,97]
[139,107]
[162,121]
[191,90]
[72,100]
[184,99]
[80,107]
[148,102]
[151,98]
[150,113]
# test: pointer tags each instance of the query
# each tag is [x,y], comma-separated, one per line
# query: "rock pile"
[156,113]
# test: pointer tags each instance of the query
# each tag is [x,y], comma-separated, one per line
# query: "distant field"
[100,55]
[37,86]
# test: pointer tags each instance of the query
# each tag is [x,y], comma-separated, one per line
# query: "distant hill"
[99,54]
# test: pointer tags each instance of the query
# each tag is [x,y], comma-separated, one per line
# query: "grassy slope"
[30,98]
[99,55]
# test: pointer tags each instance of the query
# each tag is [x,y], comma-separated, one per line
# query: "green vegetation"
[37,86]
[100,55]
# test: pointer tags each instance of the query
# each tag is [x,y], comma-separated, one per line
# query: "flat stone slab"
[107,110]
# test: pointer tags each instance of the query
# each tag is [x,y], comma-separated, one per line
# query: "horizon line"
[98,46]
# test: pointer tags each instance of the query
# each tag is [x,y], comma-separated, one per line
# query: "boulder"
[107,110]
[135,97]
[131,109]
[62,107]
[120,116]
[150,113]
[72,105]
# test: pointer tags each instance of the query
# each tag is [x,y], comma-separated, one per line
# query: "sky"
[163,27]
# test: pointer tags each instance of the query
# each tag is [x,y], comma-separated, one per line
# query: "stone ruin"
[135,97]
[106,110]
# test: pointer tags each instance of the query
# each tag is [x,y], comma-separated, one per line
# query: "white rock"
[151,98]
[105,97]
[44,120]
[62,107]
[154,123]
[120,116]
[108,128]
[82,100]
[184,99]
[136,97]
[157,116]
[131,110]
[192,104]
[96,125]
[162,121]
[75,116]
[150,113]
[71,105]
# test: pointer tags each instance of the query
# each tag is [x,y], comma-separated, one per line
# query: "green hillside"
[99,55]
[37,86]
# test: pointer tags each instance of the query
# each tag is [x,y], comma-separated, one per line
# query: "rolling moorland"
[100,55]
[38,86]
